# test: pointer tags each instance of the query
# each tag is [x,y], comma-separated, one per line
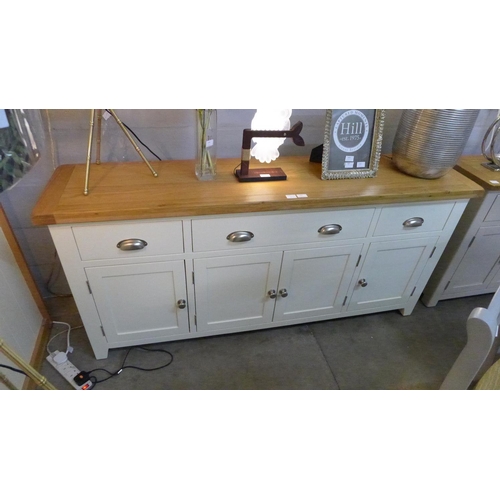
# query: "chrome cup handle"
[239,236]
[413,222]
[132,244]
[330,229]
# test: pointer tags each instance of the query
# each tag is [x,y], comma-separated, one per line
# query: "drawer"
[268,230]
[413,219]
[100,241]
[493,214]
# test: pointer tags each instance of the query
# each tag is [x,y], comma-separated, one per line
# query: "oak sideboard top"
[128,191]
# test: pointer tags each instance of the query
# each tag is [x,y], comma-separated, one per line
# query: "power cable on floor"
[124,367]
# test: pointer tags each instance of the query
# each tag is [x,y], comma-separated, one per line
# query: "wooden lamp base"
[261,175]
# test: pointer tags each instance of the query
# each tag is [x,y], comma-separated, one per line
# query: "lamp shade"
[266,148]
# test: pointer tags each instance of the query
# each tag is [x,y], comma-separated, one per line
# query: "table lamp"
[269,129]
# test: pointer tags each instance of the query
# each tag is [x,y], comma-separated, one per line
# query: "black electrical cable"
[13,369]
[135,135]
[124,367]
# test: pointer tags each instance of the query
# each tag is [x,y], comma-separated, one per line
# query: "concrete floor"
[376,351]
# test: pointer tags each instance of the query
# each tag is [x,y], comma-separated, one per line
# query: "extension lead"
[82,380]
[77,379]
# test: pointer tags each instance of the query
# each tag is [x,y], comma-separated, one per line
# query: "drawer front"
[267,230]
[138,239]
[493,214]
[413,219]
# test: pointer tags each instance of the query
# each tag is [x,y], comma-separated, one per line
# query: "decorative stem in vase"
[206,150]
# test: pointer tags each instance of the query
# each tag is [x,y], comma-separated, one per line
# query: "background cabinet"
[478,265]
[470,264]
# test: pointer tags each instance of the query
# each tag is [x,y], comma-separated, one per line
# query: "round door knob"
[272,294]
[181,304]
[283,292]
[362,282]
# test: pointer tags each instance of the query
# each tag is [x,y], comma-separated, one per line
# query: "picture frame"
[352,143]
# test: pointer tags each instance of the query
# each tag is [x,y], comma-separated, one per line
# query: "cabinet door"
[314,283]
[390,273]
[476,269]
[140,301]
[232,292]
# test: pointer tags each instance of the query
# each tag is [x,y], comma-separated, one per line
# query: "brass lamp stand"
[98,144]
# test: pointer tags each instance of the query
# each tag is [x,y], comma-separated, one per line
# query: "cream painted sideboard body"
[186,277]
[470,264]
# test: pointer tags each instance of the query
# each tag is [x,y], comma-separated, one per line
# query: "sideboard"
[158,259]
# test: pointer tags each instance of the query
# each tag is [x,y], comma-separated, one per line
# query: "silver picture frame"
[352,143]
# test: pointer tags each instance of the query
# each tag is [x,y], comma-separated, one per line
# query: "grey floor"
[377,351]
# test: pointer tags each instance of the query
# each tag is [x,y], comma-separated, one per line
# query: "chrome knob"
[181,304]
[283,292]
[362,282]
[272,294]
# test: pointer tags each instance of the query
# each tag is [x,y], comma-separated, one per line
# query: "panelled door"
[314,283]
[140,301]
[390,273]
[478,265]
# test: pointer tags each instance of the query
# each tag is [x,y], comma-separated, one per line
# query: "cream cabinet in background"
[142,282]
[471,263]
[160,259]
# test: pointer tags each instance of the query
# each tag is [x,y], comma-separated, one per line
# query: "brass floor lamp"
[24,366]
[98,143]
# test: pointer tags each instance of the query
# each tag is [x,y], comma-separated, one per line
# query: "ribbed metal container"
[429,142]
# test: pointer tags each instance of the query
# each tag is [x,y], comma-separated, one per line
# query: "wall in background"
[168,133]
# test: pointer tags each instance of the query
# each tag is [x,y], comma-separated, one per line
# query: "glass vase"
[206,144]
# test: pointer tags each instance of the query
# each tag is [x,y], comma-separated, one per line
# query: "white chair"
[479,352]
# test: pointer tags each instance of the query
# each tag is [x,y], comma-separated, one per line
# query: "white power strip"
[67,369]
